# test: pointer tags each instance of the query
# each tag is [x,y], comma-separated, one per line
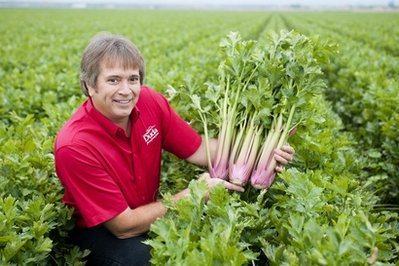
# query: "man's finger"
[231,186]
[279,168]
[287,148]
[282,160]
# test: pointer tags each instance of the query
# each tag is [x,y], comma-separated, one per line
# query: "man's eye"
[134,79]
[113,81]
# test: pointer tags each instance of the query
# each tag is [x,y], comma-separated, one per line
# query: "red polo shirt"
[103,171]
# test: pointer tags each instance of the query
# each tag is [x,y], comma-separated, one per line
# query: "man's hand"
[283,156]
[213,182]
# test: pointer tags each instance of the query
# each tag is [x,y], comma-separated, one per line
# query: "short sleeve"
[179,137]
[88,187]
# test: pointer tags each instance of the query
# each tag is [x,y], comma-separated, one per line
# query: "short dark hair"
[108,48]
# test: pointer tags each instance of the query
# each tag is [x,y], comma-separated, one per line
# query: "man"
[108,154]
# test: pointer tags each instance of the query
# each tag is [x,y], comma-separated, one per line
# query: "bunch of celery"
[261,96]
[237,73]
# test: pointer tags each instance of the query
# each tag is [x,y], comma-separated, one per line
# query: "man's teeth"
[122,101]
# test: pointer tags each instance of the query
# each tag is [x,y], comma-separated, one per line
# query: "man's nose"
[124,87]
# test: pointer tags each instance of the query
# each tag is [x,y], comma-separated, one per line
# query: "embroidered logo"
[151,133]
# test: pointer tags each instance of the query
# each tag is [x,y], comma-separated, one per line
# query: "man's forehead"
[117,66]
[119,61]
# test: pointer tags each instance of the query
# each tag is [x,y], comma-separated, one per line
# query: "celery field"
[336,203]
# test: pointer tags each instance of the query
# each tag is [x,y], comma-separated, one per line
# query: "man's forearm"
[134,222]
[200,155]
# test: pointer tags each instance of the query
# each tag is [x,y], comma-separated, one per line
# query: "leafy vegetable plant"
[261,94]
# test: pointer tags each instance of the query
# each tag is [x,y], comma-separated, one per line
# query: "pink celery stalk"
[243,155]
[219,166]
[264,172]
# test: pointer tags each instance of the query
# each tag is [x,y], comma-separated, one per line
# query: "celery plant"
[263,88]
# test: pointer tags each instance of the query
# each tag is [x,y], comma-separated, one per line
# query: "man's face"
[116,92]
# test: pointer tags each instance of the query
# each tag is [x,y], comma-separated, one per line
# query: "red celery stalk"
[264,172]
[243,155]
[219,166]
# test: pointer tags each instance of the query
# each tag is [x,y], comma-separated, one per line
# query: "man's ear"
[90,90]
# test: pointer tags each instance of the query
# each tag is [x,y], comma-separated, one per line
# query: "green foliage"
[335,182]
[35,221]
[319,212]
[363,89]
[370,114]
[329,221]
[194,232]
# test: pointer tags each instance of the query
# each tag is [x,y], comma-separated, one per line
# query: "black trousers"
[108,250]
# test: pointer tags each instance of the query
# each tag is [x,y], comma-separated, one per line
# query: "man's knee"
[134,252]
[106,249]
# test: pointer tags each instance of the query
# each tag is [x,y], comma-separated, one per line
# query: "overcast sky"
[225,2]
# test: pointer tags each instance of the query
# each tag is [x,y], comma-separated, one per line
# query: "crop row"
[363,91]
[321,210]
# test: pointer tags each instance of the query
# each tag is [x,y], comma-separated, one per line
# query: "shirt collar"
[104,122]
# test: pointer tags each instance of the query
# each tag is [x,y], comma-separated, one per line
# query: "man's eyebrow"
[134,76]
[113,76]
[120,76]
